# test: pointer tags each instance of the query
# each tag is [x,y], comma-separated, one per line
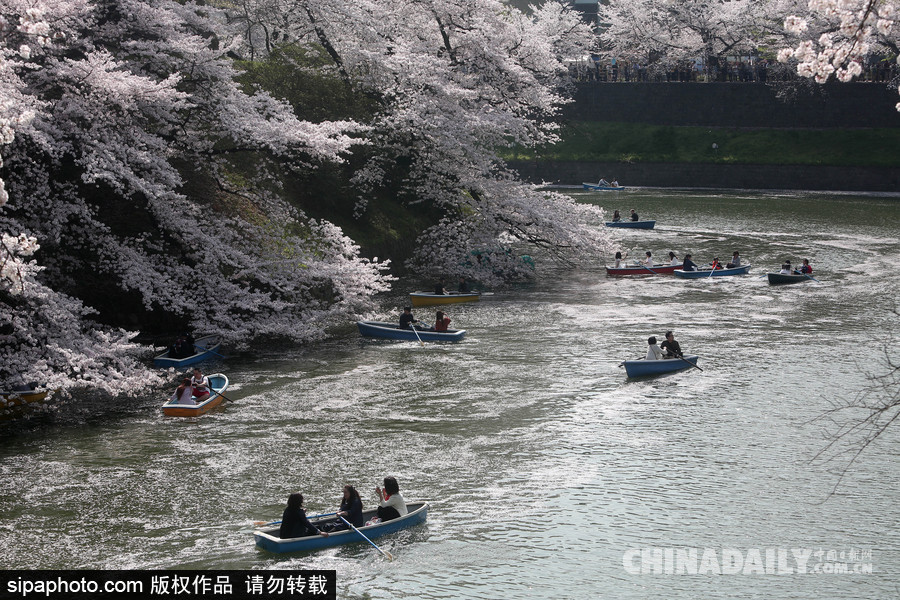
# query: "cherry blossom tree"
[853,424]
[106,107]
[670,31]
[142,173]
[837,37]
[457,81]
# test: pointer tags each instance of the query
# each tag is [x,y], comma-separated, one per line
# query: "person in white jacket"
[654,352]
[390,503]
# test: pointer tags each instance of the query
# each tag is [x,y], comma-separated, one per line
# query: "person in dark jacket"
[351,509]
[294,523]
[351,506]
[688,265]
[671,347]
[634,216]
[407,318]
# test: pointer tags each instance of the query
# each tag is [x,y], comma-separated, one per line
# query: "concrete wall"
[737,105]
[731,105]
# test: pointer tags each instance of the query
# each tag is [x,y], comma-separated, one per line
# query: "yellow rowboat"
[432,299]
[218,383]
[14,403]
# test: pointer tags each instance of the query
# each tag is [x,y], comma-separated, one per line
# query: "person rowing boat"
[671,347]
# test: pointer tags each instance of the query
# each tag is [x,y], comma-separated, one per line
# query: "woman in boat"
[786,268]
[616,216]
[805,268]
[439,289]
[648,262]
[294,523]
[391,504]
[200,383]
[673,260]
[654,352]
[735,261]
[351,507]
[183,393]
[441,321]
[619,259]
[689,265]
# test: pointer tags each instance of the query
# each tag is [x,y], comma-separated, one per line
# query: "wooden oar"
[622,364]
[808,276]
[202,349]
[213,392]
[413,327]
[266,523]
[689,362]
[649,269]
[385,553]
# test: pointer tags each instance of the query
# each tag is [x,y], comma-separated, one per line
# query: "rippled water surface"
[543,464]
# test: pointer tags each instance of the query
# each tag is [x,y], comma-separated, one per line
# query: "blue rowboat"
[707,273]
[642,367]
[779,278]
[207,348]
[268,539]
[392,331]
[632,224]
[218,382]
[602,188]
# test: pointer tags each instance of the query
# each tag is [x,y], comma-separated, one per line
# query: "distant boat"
[704,273]
[268,539]
[392,331]
[780,278]
[218,382]
[602,188]
[16,402]
[632,224]
[642,270]
[642,367]
[206,348]
[432,299]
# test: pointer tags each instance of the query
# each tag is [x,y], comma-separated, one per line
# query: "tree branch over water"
[855,424]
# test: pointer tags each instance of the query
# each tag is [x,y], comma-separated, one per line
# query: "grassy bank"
[632,142]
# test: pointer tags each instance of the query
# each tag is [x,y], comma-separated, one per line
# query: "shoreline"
[795,178]
[698,188]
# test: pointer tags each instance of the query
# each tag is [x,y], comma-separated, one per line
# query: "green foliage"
[633,142]
[301,75]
